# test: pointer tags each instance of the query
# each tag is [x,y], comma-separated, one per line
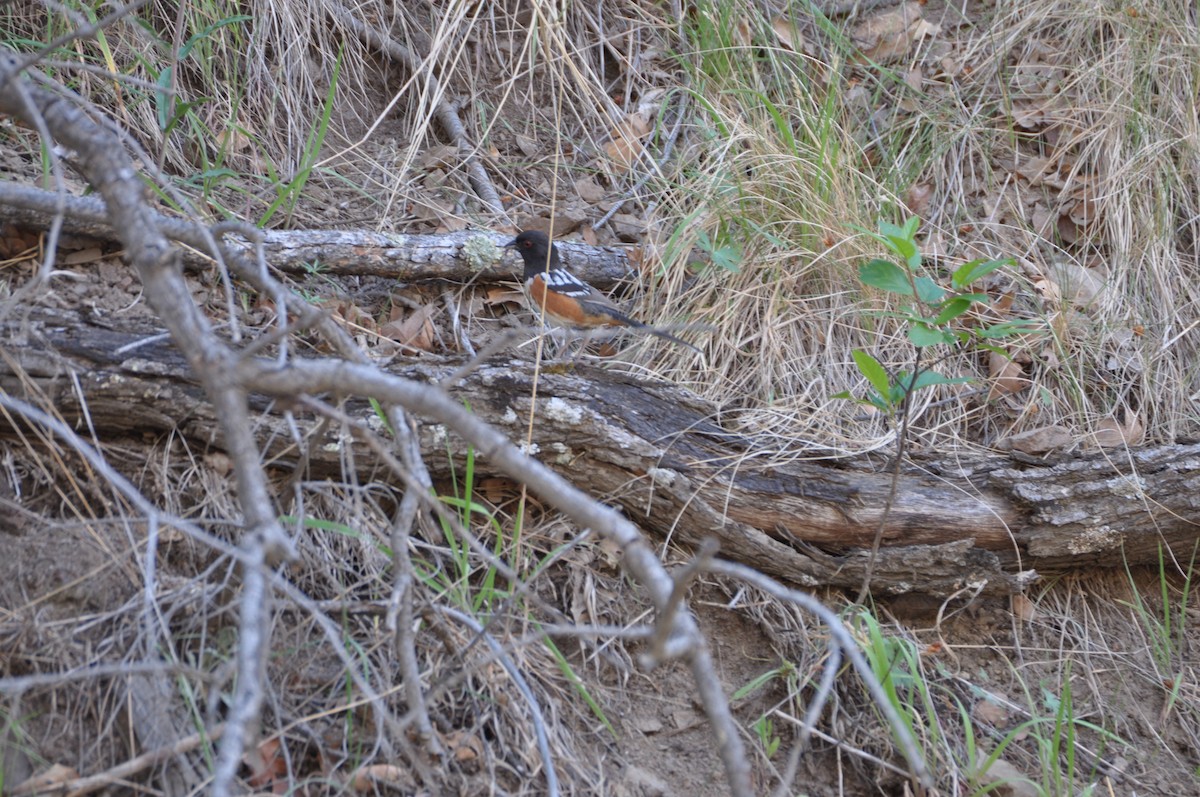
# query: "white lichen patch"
[663,476]
[529,449]
[480,252]
[562,411]
[1131,486]
[509,416]
[334,446]
[438,433]
[1101,538]
[376,423]
[562,454]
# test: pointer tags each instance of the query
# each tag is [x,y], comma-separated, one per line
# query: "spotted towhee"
[564,298]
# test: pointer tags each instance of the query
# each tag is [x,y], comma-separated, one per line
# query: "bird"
[565,299]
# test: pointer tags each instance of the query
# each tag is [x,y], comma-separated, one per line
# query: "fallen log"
[994,522]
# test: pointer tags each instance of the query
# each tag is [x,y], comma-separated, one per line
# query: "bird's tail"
[633,323]
[668,336]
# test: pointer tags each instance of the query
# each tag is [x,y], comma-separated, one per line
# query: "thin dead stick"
[841,635]
[102,159]
[404,580]
[535,709]
[446,113]
[456,326]
[24,683]
[660,646]
[333,633]
[114,775]
[640,559]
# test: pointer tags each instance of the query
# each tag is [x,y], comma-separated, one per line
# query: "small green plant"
[1166,629]
[933,316]
[896,663]
[289,193]
[764,728]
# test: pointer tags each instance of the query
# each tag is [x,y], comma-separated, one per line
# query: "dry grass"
[1063,137]
[1116,164]
[1051,109]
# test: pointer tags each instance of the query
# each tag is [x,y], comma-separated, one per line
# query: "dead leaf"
[1126,354]
[626,145]
[368,779]
[991,713]
[220,462]
[915,78]
[529,148]
[788,34]
[463,745]
[1041,440]
[917,198]
[1016,783]
[442,156]
[232,139]
[89,255]
[1078,285]
[566,221]
[496,490]
[432,210]
[414,331]
[1111,433]
[1043,219]
[887,35]
[1023,608]
[353,317]
[267,765]
[502,296]
[1042,171]
[1007,376]
[1003,306]
[589,190]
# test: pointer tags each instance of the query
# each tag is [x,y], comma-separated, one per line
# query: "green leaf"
[880,403]
[977,269]
[929,291]
[186,50]
[885,275]
[952,309]
[875,373]
[923,335]
[1008,329]
[381,415]
[727,256]
[889,230]
[925,379]
[906,249]
[910,227]
[931,378]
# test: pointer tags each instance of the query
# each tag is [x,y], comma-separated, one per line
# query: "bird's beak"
[511,244]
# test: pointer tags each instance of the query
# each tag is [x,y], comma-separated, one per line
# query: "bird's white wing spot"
[566,283]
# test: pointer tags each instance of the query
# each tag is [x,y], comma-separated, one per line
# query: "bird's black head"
[537,251]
